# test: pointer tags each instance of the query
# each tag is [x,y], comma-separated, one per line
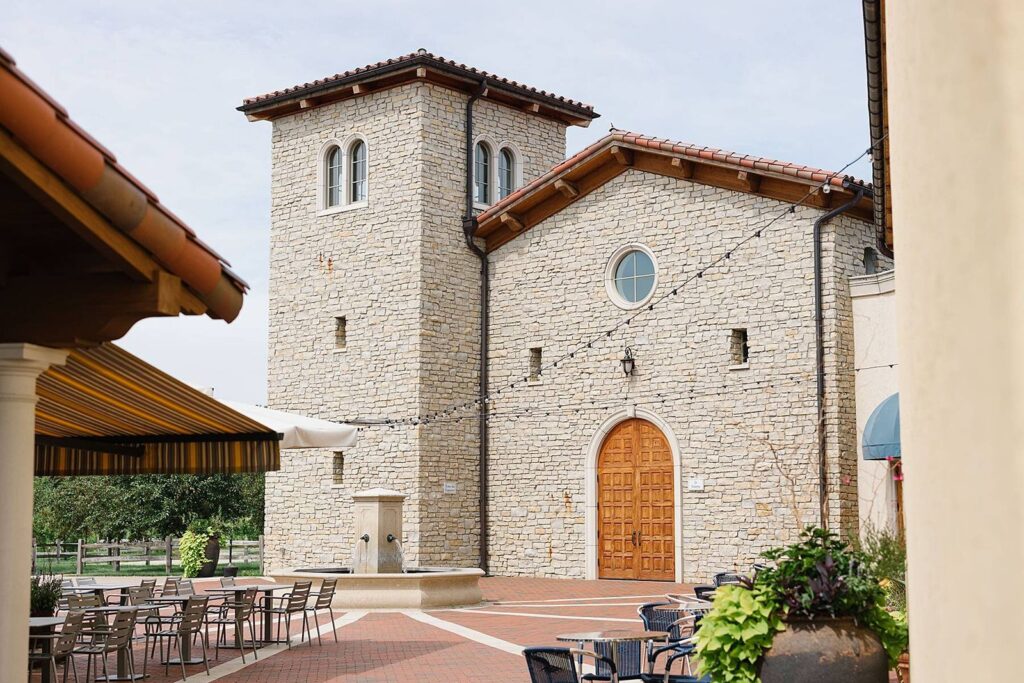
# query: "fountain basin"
[416,588]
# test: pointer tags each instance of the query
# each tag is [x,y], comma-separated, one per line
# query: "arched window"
[334,166]
[482,173]
[357,171]
[631,276]
[506,172]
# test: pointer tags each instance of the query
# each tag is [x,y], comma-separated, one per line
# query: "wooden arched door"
[635,504]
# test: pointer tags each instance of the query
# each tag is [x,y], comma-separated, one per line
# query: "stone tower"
[374,295]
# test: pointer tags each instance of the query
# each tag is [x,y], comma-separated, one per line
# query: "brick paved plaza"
[450,645]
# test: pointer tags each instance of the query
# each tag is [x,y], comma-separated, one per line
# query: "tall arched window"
[482,173]
[357,170]
[506,173]
[334,166]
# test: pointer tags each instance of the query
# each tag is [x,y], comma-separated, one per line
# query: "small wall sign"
[450,487]
[695,484]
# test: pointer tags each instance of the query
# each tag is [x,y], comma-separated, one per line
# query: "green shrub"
[44,593]
[886,555]
[819,577]
[192,551]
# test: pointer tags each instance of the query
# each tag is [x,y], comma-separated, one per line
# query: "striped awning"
[107,412]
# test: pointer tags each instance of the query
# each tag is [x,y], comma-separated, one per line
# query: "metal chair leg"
[252,635]
[181,660]
[288,629]
[330,611]
[206,659]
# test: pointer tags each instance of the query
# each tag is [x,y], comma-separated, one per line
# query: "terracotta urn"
[903,668]
[825,650]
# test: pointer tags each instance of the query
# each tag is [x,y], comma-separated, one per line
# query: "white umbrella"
[299,431]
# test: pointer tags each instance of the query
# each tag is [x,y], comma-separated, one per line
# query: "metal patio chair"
[323,602]
[678,623]
[227,581]
[293,602]
[184,628]
[62,648]
[558,664]
[236,613]
[117,638]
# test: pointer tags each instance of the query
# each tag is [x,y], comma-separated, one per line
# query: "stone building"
[703,456]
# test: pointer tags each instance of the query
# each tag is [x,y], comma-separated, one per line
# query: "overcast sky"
[158,83]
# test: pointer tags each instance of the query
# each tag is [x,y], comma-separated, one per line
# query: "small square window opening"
[536,361]
[338,468]
[739,349]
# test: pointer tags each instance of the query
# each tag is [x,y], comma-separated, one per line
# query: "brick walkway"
[449,646]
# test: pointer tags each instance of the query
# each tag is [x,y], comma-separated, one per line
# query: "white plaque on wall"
[695,484]
[450,487]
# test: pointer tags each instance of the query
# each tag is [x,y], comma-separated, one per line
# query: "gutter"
[819,340]
[469,225]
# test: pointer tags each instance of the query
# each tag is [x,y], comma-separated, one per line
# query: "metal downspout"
[469,225]
[819,338]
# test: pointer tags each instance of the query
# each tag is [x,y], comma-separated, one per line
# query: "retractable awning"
[299,431]
[882,432]
[107,412]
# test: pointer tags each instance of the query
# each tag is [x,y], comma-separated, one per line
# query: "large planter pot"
[212,556]
[825,650]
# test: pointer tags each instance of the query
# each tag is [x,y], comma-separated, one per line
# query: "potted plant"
[817,614]
[44,595]
[192,550]
[214,528]
[886,552]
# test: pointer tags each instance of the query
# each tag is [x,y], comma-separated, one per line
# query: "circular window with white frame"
[631,276]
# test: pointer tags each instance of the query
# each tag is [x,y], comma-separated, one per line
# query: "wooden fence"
[164,552]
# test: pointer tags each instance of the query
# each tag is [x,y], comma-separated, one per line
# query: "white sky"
[158,83]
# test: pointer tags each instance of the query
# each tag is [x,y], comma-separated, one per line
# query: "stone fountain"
[378,577]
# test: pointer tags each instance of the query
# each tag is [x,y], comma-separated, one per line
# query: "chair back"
[194,614]
[245,605]
[299,595]
[327,588]
[629,658]
[664,619]
[186,587]
[67,583]
[82,600]
[121,630]
[227,581]
[170,586]
[550,665]
[86,581]
[67,639]
[727,578]
[140,595]
[148,583]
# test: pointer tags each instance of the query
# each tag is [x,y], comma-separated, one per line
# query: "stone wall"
[398,270]
[748,433]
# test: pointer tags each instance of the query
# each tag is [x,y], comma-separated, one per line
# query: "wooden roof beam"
[684,166]
[622,155]
[512,222]
[567,188]
[750,181]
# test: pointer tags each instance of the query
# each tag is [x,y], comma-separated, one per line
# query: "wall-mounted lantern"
[628,362]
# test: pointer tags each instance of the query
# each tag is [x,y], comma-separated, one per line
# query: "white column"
[20,365]
[957,148]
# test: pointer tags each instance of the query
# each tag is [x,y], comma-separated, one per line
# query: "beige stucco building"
[700,262]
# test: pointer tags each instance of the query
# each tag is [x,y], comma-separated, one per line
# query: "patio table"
[44,626]
[100,588]
[612,637]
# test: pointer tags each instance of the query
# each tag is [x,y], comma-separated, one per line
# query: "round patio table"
[100,588]
[44,626]
[612,637]
[236,590]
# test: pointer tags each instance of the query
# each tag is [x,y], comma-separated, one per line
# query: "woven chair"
[62,648]
[558,664]
[323,602]
[242,612]
[117,638]
[293,602]
[629,655]
[678,623]
[728,578]
[184,628]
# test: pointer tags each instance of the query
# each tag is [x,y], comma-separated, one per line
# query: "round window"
[631,276]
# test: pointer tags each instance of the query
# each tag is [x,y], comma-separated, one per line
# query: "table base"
[115,677]
[188,662]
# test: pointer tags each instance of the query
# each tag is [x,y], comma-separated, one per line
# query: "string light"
[825,187]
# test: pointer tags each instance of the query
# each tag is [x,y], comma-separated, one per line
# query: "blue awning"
[882,432]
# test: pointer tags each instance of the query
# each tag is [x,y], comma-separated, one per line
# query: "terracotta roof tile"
[426,58]
[687,149]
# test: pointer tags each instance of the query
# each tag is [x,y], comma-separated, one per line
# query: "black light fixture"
[628,363]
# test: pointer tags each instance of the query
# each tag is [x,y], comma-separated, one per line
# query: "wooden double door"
[636,504]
